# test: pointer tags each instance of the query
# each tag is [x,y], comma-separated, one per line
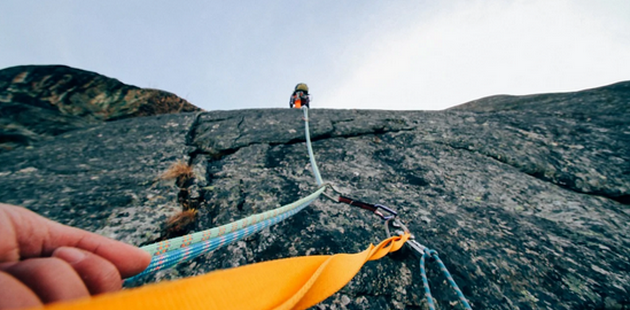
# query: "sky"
[393,55]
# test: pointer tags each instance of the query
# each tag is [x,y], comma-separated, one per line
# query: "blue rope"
[425,281]
[427,291]
[172,258]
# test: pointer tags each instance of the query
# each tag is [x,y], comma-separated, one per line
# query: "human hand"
[42,261]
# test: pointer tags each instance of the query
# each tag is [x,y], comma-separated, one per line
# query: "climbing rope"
[226,235]
[179,242]
[425,253]
[427,290]
[168,253]
[318,177]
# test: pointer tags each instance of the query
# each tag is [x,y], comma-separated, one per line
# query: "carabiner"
[328,185]
[392,213]
[382,211]
[401,229]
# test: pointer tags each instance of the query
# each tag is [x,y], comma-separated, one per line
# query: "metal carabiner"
[328,185]
[392,213]
[417,247]
[401,229]
[382,211]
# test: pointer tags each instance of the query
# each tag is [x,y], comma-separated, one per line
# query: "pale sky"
[397,54]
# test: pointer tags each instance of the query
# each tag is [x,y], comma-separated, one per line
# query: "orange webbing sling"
[290,283]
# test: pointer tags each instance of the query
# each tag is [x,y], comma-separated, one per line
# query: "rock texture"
[583,133]
[37,102]
[527,206]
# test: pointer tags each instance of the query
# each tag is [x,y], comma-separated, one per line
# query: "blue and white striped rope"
[179,242]
[172,258]
[427,290]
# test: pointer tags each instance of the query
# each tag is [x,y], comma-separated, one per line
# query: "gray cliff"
[527,204]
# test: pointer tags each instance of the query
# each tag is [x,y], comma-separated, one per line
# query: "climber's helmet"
[301,87]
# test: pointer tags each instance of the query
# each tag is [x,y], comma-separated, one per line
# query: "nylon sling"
[266,285]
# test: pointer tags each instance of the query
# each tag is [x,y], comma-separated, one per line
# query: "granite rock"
[527,207]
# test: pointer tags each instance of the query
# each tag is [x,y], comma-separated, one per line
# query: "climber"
[299,97]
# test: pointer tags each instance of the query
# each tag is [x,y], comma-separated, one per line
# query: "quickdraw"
[190,246]
[382,211]
[390,218]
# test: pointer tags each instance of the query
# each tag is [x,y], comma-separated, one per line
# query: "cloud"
[473,49]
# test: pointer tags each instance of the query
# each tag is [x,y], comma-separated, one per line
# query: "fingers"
[129,260]
[71,273]
[51,279]
[30,235]
[98,274]
[14,294]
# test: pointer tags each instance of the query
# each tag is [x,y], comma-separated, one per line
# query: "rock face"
[527,206]
[588,132]
[37,102]
[602,102]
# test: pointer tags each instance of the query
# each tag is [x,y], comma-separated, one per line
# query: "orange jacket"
[298,99]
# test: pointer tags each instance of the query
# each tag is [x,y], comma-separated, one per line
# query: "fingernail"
[70,255]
